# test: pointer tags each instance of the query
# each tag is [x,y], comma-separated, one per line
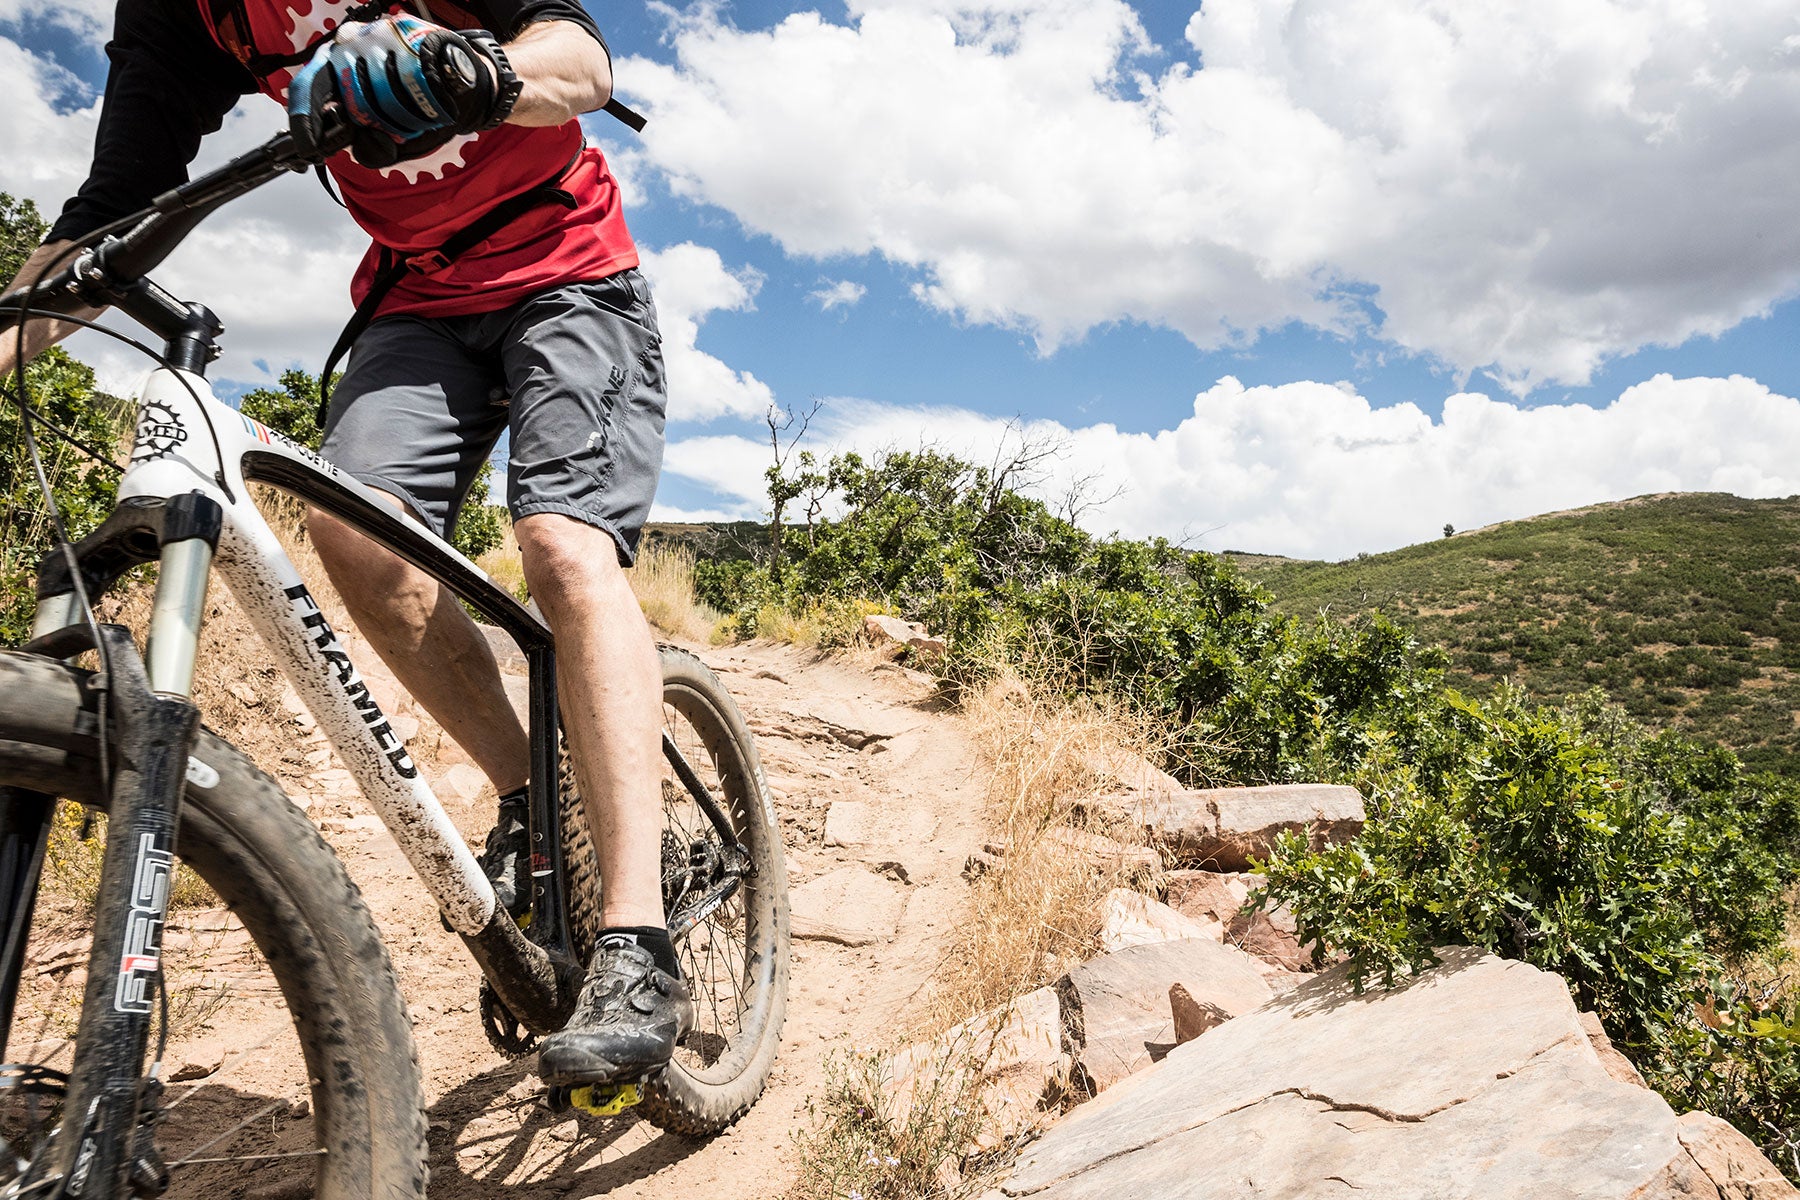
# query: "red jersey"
[417,206]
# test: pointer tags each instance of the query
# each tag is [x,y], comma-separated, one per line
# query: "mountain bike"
[126,740]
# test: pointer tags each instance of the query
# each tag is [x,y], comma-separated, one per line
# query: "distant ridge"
[1685,606]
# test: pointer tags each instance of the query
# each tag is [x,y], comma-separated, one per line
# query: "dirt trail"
[918,783]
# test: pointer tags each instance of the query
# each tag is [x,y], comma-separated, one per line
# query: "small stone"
[1192,1017]
[242,693]
[289,1187]
[197,1060]
[404,725]
[980,864]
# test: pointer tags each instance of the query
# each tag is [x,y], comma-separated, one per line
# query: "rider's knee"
[564,559]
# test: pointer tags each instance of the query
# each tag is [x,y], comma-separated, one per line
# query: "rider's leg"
[429,643]
[583,365]
[609,690]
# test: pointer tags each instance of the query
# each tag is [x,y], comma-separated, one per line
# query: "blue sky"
[1289,275]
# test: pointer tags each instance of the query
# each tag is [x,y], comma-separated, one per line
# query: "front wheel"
[343,1110]
[734,959]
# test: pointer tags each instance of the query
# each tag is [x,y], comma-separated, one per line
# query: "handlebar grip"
[55,294]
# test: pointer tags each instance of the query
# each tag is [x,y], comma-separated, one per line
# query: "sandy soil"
[917,778]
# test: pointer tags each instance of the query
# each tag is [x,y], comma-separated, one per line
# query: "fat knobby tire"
[267,862]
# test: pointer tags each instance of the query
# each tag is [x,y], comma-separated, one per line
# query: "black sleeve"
[169,84]
[506,18]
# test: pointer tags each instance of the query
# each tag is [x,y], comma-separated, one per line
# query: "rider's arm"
[39,335]
[566,72]
[168,84]
[557,52]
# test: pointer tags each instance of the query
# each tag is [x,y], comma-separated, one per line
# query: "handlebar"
[114,270]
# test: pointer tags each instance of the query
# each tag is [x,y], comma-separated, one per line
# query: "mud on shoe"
[627,1022]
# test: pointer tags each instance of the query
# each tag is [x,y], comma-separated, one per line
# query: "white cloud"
[1521,187]
[1312,470]
[91,20]
[843,293]
[690,281]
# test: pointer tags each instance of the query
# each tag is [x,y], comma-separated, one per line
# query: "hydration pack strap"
[395,267]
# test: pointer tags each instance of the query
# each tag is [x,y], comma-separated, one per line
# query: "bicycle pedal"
[605,1099]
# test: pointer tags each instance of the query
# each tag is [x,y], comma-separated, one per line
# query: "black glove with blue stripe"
[407,85]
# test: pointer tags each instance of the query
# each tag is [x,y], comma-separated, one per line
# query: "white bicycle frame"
[188,441]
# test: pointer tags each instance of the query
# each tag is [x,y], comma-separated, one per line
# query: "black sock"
[653,938]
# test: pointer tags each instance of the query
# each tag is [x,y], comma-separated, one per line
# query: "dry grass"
[1040,913]
[504,566]
[663,580]
[1025,924]
[861,1145]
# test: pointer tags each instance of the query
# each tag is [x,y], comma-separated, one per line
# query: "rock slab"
[1224,828]
[1117,1005]
[851,906]
[1012,1059]
[1129,918]
[1472,1081]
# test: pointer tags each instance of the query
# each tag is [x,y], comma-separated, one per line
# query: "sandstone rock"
[908,633]
[1617,1065]
[1269,934]
[1130,772]
[1203,895]
[197,1059]
[1730,1160]
[1192,1017]
[1103,853]
[464,781]
[850,905]
[1223,828]
[1472,1081]
[1131,918]
[1015,1055]
[1117,1005]
[859,823]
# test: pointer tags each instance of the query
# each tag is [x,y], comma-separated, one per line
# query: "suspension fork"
[153,723]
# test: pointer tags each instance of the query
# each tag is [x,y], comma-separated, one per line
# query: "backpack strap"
[393,267]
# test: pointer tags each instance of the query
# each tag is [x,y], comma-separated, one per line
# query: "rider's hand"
[407,85]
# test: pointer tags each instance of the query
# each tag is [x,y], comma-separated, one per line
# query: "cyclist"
[500,292]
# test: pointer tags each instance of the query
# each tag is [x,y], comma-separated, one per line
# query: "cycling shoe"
[627,1022]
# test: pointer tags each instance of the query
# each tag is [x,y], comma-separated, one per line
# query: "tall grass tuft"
[663,581]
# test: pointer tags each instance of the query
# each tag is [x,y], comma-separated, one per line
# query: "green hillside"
[1685,607]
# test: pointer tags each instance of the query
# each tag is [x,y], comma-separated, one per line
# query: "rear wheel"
[734,958]
[343,1105]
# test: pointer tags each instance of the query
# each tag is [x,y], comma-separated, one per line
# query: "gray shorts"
[575,373]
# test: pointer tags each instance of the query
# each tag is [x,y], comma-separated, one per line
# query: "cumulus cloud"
[1520,188]
[690,281]
[844,293]
[91,20]
[1312,470]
